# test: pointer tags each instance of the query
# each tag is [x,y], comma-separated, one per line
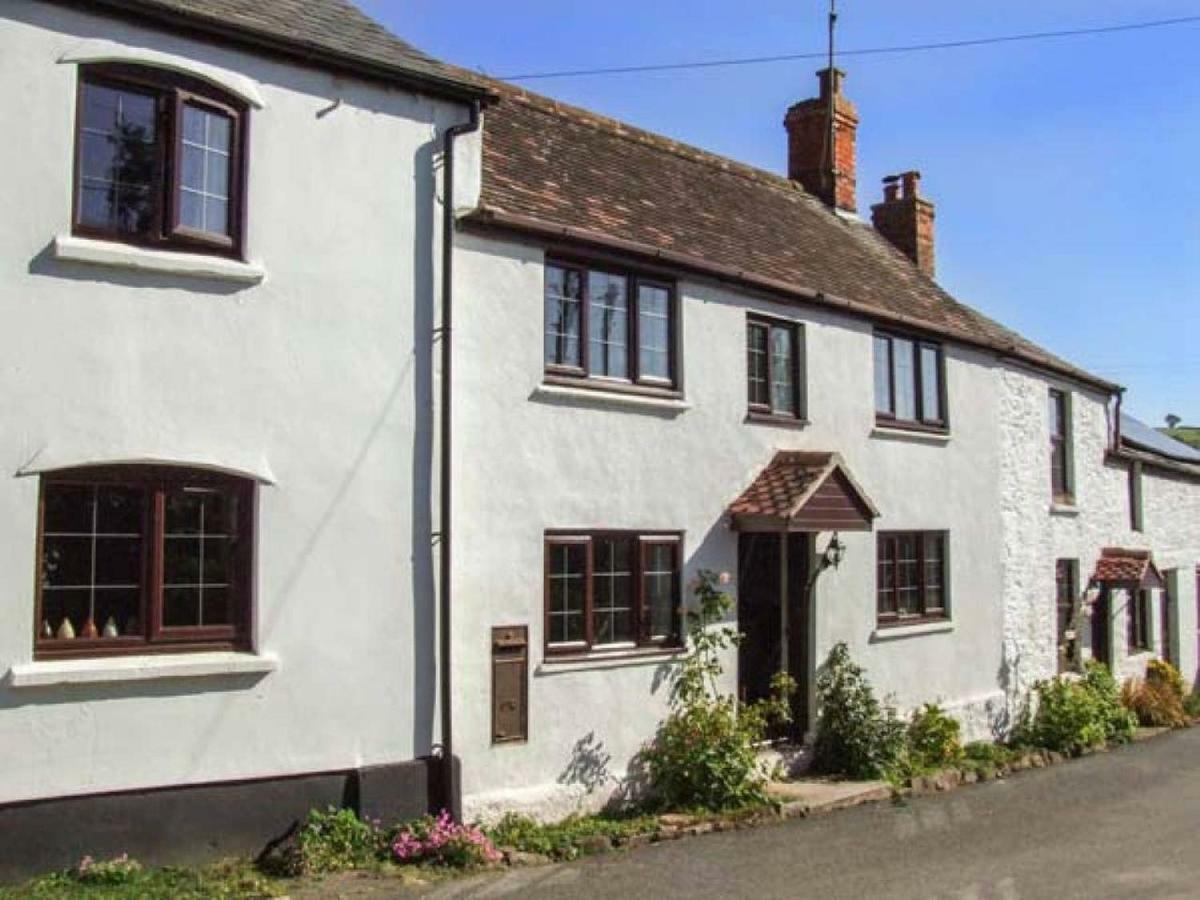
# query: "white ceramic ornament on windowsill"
[110,628]
[47,631]
[66,631]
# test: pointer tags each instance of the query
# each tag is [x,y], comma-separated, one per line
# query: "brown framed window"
[1061,479]
[608,325]
[909,382]
[135,559]
[774,371]
[159,160]
[612,590]
[1139,620]
[1066,588]
[1136,517]
[911,583]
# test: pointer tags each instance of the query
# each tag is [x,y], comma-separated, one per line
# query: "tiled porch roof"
[803,490]
[1122,566]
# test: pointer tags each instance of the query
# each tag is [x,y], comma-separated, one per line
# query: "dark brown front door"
[1102,629]
[760,619]
[1165,629]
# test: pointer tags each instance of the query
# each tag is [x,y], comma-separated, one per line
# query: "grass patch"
[567,839]
[230,879]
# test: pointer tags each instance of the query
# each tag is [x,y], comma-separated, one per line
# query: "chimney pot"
[905,218]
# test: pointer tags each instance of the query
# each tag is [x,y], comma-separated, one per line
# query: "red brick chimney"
[809,163]
[906,219]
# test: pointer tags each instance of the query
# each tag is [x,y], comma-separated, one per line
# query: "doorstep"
[813,797]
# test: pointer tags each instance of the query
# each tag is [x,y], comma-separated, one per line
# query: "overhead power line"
[863,51]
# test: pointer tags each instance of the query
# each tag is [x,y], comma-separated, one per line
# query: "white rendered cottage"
[221,255]
[671,362]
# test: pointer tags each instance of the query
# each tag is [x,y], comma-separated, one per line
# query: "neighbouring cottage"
[672,362]
[236,446]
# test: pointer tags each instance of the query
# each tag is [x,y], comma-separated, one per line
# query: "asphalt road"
[1120,824]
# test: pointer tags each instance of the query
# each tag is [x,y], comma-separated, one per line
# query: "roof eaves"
[463,90]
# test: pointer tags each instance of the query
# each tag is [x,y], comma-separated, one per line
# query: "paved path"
[1121,824]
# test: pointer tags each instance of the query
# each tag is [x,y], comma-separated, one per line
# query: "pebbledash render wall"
[315,381]
[1038,532]
[530,457]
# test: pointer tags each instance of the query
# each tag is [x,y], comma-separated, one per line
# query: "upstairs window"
[773,368]
[609,326]
[158,160]
[911,583]
[1061,486]
[612,590]
[909,382]
[135,559]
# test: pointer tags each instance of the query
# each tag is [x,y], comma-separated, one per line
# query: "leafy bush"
[444,842]
[704,755]
[221,881]
[1155,703]
[933,738]
[987,752]
[1191,705]
[1099,682]
[1075,713]
[332,840]
[121,870]
[1161,672]
[562,840]
[856,736]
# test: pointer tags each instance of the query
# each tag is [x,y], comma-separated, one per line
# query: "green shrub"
[1074,713]
[333,840]
[1154,703]
[856,736]
[1191,705]
[1118,722]
[441,841]
[933,738]
[121,870]
[563,840]
[987,752]
[704,755]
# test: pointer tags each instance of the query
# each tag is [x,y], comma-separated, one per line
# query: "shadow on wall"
[185,287]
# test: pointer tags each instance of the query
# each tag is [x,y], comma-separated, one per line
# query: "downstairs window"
[136,560]
[612,590]
[911,581]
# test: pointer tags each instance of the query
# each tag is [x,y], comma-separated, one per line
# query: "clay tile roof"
[1127,566]
[791,479]
[560,171]
[331,31]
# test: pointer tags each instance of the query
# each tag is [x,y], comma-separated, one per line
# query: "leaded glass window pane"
[658,576]
[654,332]
[883,374]
[206,155]
[756,364]
[567,577]
[199,537]
[905,379]
[931,380]
[783,385]
[564,305]
[608,325]
[118,157]
[612,590]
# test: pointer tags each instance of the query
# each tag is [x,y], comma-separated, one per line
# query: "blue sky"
[1066,173]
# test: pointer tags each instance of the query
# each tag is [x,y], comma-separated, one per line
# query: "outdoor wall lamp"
[835,550]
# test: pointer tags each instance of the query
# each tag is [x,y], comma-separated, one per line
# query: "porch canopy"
[803,490]
[1127,568]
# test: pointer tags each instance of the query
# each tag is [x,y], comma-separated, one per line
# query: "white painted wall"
[1036,534]
[320,374]
[525,463]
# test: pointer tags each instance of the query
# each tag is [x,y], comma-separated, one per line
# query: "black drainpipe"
[451,795]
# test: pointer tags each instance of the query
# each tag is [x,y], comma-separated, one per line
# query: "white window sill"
[70,248]
[48,673]
[557,393]
[897,632]
[621,659]
[1064,509]
[906,434]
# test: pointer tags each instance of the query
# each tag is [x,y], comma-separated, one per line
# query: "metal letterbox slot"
[510,678]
